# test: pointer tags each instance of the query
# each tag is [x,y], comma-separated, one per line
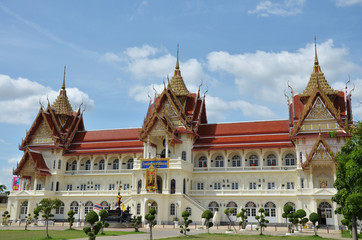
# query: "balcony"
[245,168]
[97,172]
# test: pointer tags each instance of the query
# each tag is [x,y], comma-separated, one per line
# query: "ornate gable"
[321,154]
[42,135]
[30,162]
[319,111]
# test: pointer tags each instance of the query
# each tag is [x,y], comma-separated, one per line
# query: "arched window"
[74,206]
[234,206]
[250,208]
[183,155]
[130,163]
[202,161]
[213,206]
[270,208]
[57,186]
[325,211]
[101,165]
[163,153]
[54,164]
[291,204]
[74,165]
[105,205]
[219,161]
[60,210]
[189,210]
[184,186]
[139,186]
[324,205]
[172,209]
[236,161]
[253,160]
[271,160]
[116,164]
[173,186]
[59,164]
[24,208]
[87,165]
[88,207]
[289,160]
[138,209]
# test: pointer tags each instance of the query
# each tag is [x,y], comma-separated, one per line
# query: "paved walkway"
[167,231]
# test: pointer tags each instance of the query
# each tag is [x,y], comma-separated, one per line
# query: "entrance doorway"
[325,211]
[159,184]
[23,209]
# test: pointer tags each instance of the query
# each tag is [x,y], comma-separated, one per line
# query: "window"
[74,206]
[54,162]
[52,187]
[203,161]
[83,187]
[173,186]
[301,156]
[302,182]
[290,185]
[139,186]
[69,187]
[219,161]
[38,186]
[252,185]
[253,160]
[116,164]
[236,161]
[163,153]
[111,186]
[57,186]
[87,165]
[24,208]
[234,206]
[101,165]
[250,208]
[188,209]
[235,185]
[130,163]
[271,160]
[183,155]
[97,187]
[59,164]
[88,207]
[291,204]
[270,209]
[126,186]
[74,165]
[290,159]
[172,209]
[200,186]
[60,210]
[271,185]
[105,205]
[138,209]
[214,206]
[217,186]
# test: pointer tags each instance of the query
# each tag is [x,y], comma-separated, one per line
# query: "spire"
[316,68]
[61,104]
[177,83]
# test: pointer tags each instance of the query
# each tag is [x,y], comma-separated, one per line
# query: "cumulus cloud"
[19,99]
[346,3]
[286,8]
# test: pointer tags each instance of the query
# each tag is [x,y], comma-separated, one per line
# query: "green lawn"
[54,234]
[247,237]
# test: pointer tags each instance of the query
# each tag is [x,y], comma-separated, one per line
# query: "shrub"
[185,227]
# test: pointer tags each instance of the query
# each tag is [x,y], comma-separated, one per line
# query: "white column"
[92,164]
[148,147]
[166,141]
[35,183]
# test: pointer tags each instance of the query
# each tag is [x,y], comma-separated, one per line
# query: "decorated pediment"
[320,155]
[42,135]
[32,161]
[319,111]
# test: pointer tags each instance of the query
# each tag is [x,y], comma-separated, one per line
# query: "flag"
[16,183]
[123,207]
[97,206]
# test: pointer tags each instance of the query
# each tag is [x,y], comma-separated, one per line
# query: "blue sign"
[155,163]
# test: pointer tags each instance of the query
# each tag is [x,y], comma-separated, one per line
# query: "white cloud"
[2,141]
[14,160]
[141,52]
[286,8]
[19,99]
[143,93]
[6,175]
[346,3]
[111,57]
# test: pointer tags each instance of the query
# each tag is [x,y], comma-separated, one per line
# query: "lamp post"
[79,212]
[176,209]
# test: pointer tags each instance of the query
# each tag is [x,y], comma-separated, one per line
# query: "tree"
[207,214]
[36,215]
[5,216]
[150,217]
[229,212]
[91,218]
[261,219]
[349,179]
[3,188]
[288,215]
[46,205]
[300,218]
[28,220]
[70,218]
[185,226]
[244,218]
[103,214]
[136,222]
[314,218]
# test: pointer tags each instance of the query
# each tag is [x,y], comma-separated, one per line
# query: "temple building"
[177,161]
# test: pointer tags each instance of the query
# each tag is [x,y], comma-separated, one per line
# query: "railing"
[72,172]
[212,192]
[245,168]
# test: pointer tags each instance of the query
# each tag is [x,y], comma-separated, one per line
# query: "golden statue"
[151,178]
[119,197]
[323,183]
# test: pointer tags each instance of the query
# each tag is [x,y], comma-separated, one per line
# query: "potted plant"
[175,221]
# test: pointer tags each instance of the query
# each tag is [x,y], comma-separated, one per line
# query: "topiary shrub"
[91,218]
[314,218]
[185,227]
[207,214]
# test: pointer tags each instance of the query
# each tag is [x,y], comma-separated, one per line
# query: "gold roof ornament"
[177,83]
[317,79]
[61,104]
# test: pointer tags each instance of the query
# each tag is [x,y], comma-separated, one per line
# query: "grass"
[54,234]
[347,234]
[214,236]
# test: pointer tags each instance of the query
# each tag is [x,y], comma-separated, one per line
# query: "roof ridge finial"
[177,61]
[315,52]
[63,86]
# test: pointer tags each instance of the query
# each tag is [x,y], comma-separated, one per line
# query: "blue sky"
[116,52]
